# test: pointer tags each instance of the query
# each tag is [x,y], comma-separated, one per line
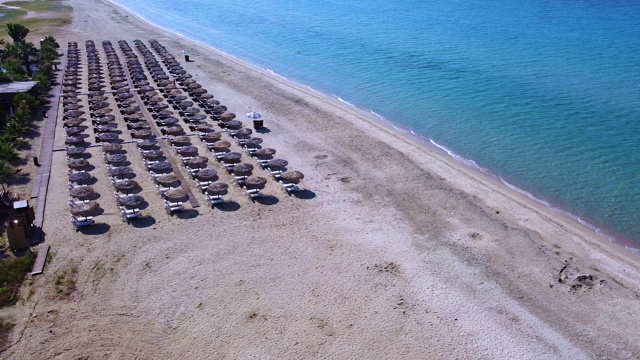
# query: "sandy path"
[395,252]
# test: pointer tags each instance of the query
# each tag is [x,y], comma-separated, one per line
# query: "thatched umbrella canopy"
[152,154]
[111,147]
[130,110]
[168,180]
[124,96]
[99,105]
[242,169]
[198,92]
[76,106]
[188,151]
[146,88]
[81,192]
[292,176]
[97,98]
[211,103]
[244,133]
[115,158]
[128,102]
[150,94]
[91,208]
[142,134]
[120,170]
[212,137]
[191,111]
[75,150]
[131,201]
[168,121]
[71,140]
[195,118]
[255,182]
[76,130]
[181,140]
[106,127]
[231,157]
[277,163]
[221,145]
[175,195]
[197,162]
[233,124]
[204,127]
[71,100]
[227,116]
[147,143]
[178,98]
[218,109]
[160,166]
[104,119]
[108,136]
[73,113]
[79,176]
[188,81]
[203,96]
[73,122]
[175,93]
[140,83]
[264,152]
[217,188]
[104,111]
[126,186]
[159,106]
[155,100]
[184,104]
[175,130]
[164,114]
[206,174]
[253,142]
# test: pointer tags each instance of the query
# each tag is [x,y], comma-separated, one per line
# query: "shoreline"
[554,209]
[395,250]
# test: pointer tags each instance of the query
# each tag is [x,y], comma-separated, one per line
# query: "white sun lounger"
[173,207]
[215,199]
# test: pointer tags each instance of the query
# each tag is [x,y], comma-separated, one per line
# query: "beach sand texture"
[395,251]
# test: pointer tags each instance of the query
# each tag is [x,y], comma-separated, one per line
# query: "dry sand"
[395,250]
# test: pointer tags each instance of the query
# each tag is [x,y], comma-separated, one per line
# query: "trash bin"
[186,58]
[258,124]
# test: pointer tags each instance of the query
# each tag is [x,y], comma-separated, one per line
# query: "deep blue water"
[542,93]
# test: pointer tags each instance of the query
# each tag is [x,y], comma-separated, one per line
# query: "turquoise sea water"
[544,94]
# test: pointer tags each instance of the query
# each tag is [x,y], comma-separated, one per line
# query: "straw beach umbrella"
[175,195]
[131,201]
[292,176]
[125,186]
[91,208]
[168,180]
[217,188]
[206,174]
[255,182]
[82,192]
[79,176]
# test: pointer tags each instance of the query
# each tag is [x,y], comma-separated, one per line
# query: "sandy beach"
[394,251]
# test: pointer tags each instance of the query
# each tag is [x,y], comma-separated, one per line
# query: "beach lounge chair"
[163,189]
[203,184]
[253,193]
[289,187]
[73,202]
[129,214]
[215,199]
[79,222]
[173,207]
[240,179]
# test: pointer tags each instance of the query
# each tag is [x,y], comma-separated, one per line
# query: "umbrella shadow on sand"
[263,130]
[97,229]
[304,194]
[187,214]
[227,206]
[267,200]
[143,222]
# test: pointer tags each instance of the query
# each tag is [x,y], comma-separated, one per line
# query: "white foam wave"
[345,101]
[457,157]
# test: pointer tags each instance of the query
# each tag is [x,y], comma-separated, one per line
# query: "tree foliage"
[17,32]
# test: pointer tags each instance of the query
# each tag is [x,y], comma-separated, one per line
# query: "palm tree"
[50,40]
[17,32]
[22,50]
[8,153]
[7,173]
